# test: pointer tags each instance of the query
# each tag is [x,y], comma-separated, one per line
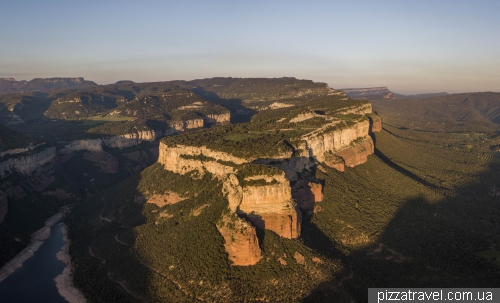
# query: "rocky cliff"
[341,143]
[26,164]
[19,150]
[273,201]
[218,118]
[241,242]
[269,205]
[120,141]
[188,124]
[375,123]
[131,139]
[182,159]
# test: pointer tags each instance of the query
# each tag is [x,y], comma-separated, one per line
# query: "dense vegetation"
[422,212]
[10,139]
[470,112]
[175,252]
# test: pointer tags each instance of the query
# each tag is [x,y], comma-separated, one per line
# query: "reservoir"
[34,281]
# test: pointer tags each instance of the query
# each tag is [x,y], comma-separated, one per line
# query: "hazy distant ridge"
[377,93]
[10,85]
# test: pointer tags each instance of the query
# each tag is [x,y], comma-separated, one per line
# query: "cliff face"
[241,242]
[26,164]
[357,154]
[199,158]
[218,118]
[121,141]
[340,144]
[331,138]
[131,139]
[19,150]
[270,206]
[375,123]
[358,110]
[188,124]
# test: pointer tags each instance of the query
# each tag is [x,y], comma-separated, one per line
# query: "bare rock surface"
[241,241]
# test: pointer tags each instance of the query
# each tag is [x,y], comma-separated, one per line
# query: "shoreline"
[37,239]
[64,281]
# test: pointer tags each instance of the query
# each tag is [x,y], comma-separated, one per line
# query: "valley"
[253,189]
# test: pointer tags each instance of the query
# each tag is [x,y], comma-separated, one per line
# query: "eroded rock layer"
[271,204]
[241,242]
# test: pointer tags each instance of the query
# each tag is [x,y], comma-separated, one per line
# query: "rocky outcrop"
[375,123]
[121,141]
[357,110]
[26,164]
[233,191]
[358,153]
[303,117]
[270,206]
[188,124]
[369,92]
[19,150]
[131,139]
[335,136]
[182,159]
[218,118]
[241,242]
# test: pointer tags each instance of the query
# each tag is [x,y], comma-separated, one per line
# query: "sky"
[409,46]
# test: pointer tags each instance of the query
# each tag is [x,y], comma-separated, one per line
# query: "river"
[34,281]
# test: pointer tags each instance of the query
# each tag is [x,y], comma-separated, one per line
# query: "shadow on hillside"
[239,113]
[424,245]
[101,231]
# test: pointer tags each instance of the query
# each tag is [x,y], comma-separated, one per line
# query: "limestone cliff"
[375,123]
[19,150]
[121,141]
[218,118]
[188,124]
[358,110]
[340,144]
[131,139]
[182,159]
[241,242]
[270,206]
[85,144]
[26,164]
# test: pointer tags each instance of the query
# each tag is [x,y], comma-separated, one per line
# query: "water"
[34,281]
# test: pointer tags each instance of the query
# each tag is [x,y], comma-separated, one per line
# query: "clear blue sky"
[409,46]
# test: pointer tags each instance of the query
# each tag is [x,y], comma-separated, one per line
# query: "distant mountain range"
[377,93]
[11,85]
